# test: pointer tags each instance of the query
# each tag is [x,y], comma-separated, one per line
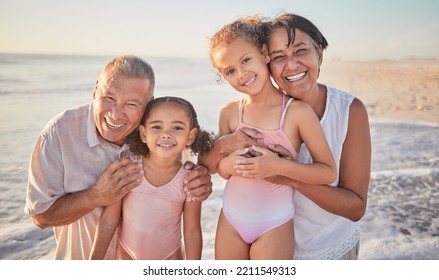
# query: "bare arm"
[117,180]
[193,237]
[350,198]
[107,225]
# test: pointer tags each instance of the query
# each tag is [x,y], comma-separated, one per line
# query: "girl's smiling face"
[167,130]
[242,65]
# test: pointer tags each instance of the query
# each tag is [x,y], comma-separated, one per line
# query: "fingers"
[197,171]
[201,193]
[126,188]
[246,170]
[243,161]
[248,173]
[259,150]
[246,167]
[250,132]
[117,180]
[129,178]
[195,185]
[118,164]
[188,165]
[281,151]
[128,171]
[198,184]
[241,152]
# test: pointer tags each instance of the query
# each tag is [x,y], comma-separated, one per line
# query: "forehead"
[279,39]
[170,110]
[114,83]
[227,54]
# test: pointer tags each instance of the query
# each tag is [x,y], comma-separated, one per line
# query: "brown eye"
[230,72]
[278,58]
[301,52]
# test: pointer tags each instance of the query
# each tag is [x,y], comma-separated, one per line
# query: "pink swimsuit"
[151,219]
[256,206]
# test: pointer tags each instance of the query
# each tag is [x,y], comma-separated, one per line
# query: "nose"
[243,73]
[165,135]
[116,111]
[291,62]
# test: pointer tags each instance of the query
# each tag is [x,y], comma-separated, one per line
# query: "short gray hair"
[134,67]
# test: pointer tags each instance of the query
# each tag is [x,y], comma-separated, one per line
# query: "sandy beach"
[403,90]
[402,98]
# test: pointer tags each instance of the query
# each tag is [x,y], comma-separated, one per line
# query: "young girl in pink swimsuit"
[256,221]
[150,215]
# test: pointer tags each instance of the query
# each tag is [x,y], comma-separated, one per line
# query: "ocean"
[402,218]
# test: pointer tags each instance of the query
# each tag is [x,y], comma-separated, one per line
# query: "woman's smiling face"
[294,67]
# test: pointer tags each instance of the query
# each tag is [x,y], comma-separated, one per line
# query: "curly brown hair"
[247,28]
[203,141]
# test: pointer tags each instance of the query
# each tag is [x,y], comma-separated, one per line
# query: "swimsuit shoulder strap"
[284,110]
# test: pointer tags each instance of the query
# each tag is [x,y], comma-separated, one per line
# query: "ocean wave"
[407,171]
[400,122]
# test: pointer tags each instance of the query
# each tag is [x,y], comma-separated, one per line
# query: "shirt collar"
[92,134]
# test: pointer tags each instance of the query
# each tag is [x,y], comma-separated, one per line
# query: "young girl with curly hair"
[150,215]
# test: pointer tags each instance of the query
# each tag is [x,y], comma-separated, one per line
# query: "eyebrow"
[173,122]
[295,45]
[240,59]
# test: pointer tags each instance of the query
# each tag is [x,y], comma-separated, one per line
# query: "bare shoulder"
[230,110]
[231,105]
[299,109]
[358,112]
[229,116]
[358,125]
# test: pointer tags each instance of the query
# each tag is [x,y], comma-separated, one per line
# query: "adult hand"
[197,183]
[285,154]
[241,138]
[116,181]
[281,151]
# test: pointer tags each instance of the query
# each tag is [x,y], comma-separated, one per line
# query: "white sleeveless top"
[318,233]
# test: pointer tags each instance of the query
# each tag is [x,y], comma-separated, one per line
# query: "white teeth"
[251,81]
[114,126]
[296,77]
[165,145]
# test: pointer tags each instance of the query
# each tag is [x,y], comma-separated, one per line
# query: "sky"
[355,30]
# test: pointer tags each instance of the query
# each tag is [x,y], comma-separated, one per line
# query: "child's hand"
[226,165]
[258,167]
[251,153]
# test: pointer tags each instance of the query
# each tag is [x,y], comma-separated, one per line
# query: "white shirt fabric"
[318,233]
[68,157]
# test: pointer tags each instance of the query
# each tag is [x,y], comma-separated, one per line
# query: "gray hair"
[134,67]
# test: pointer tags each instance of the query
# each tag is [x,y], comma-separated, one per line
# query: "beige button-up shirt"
[68,157]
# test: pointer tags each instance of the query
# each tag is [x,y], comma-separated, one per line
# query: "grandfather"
[77,166]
